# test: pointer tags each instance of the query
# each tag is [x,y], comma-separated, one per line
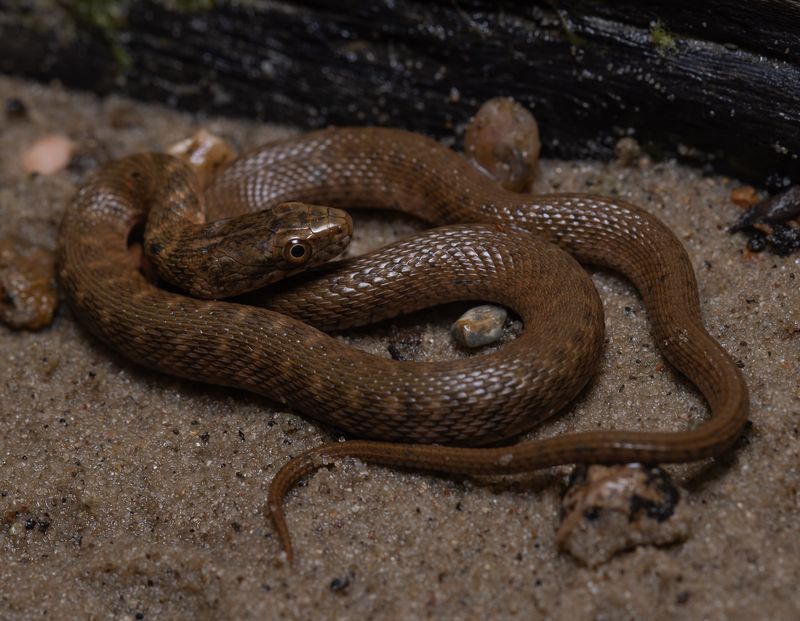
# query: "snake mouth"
[325,254]
[331,232]
[335,249]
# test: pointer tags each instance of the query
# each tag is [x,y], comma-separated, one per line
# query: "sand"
[127,494]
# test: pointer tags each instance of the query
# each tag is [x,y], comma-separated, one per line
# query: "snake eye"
[297,251]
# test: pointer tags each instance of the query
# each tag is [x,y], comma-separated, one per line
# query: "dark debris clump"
[773,222]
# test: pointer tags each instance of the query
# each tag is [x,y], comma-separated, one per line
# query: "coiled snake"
[506,258]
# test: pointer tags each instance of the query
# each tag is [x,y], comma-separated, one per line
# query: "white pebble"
[48,155]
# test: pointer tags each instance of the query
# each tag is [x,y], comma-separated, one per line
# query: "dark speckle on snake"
[508,259]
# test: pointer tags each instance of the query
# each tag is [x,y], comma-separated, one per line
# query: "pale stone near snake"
[480,326]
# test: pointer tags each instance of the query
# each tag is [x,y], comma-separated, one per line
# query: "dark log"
[716,81]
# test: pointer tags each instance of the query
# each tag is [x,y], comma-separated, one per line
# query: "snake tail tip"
[287,550]
[282,529]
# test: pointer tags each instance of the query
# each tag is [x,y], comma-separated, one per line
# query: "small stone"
[611,509]
[205,152]
[628,151]
[340,584]
[48,155]
[479,326]
[745,196]
[28,294]
[16,109]
[502,140]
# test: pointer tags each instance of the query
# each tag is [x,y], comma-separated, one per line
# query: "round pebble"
[48,155]
[502,139]
[627,151]
[745,196]
[479,326]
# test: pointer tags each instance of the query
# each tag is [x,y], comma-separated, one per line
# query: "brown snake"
[472,401]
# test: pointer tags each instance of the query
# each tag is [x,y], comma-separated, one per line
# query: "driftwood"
[714,81]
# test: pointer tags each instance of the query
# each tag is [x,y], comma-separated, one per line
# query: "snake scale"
[509,245]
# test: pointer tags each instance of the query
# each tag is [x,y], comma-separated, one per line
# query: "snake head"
[273,244]
[305,235]
[237,255]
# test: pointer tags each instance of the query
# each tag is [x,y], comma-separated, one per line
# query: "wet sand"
[127,494]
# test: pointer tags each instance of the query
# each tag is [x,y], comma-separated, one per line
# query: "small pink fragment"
[48,155]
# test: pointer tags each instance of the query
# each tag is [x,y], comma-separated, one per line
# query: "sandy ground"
[126,494]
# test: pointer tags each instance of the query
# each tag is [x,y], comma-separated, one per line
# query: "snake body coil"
[469,401]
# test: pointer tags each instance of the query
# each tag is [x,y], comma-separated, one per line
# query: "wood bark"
[717,82]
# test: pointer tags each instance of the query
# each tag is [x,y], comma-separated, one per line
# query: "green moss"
[191,5]
[108,17]
[105,15]
[662,38]
[105,18]
[572,37]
